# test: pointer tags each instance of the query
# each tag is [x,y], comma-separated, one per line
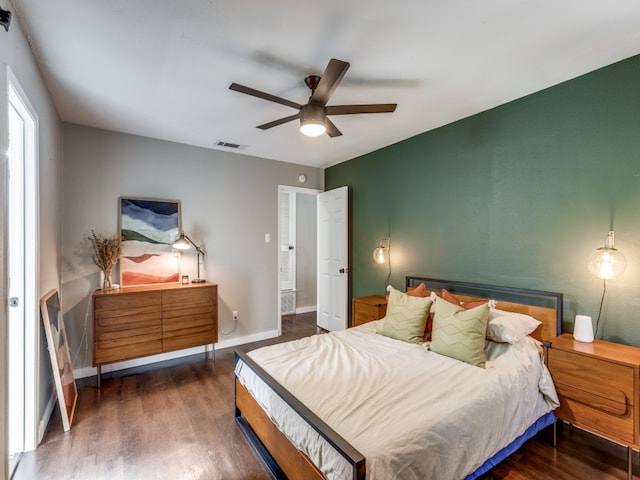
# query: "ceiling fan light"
[312,120]
[313,129]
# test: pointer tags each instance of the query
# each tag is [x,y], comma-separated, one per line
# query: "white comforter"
[412,413]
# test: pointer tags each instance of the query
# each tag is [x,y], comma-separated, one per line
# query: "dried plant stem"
[106,252]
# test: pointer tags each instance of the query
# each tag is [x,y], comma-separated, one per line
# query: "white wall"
[16,54]
[229,202]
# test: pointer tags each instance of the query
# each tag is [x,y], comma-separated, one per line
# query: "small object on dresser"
[185,279]
[583,329]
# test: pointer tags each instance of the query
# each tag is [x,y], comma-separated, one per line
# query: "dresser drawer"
[187,337]
[119,350]
[125,301]
[598,377]
[180,299]
[128,320]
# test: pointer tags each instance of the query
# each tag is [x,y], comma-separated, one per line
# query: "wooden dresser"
[599,388]
[366,309]
[134,322]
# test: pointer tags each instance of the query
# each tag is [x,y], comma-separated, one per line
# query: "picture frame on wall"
[60,356]
[147,228]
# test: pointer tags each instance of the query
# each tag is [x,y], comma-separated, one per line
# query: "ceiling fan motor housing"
[312,119]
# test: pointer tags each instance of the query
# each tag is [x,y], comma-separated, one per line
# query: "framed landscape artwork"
[60,356]
[148,227]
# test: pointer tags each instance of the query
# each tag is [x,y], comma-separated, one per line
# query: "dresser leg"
[629,463]
[99,375]
[555,433]
[210,352]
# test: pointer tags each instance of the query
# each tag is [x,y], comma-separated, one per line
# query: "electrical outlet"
[235,315]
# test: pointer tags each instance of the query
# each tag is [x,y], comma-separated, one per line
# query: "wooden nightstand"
[599,388]
[366,309]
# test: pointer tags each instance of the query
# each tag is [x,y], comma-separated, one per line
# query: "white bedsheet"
[413,414]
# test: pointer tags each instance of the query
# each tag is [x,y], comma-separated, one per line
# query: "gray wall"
[306,259]
[16,54]
[229,202]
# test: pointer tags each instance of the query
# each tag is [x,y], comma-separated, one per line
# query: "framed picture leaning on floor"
[60,356]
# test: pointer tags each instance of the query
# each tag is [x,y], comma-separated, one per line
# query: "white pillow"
[509,327]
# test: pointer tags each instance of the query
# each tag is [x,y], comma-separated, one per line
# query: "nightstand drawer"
[360,318]
[615,427]
[592,375]
[366,310]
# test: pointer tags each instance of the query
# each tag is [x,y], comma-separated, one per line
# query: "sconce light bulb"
[379,255]
[607,262]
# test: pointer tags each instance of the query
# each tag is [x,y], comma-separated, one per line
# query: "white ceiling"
[162,69]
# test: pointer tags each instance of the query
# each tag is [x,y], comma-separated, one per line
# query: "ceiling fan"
[313,115]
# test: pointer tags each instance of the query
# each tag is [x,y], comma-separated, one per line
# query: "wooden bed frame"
[284,460]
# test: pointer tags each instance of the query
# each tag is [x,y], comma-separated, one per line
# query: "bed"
[382,408]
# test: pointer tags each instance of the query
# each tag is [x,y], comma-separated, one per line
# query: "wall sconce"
[184,243]
[381,252]
[382,255]
[606,263]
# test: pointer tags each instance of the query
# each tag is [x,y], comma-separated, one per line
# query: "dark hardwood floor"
[174,420]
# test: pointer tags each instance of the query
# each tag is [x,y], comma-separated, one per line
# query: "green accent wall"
[519,195]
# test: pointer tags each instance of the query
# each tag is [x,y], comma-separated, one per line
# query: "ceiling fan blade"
[332,130]
[330,79]
[372,108]
[265,96]
[275,123]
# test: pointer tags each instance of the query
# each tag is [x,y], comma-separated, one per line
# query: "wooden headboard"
[544,306]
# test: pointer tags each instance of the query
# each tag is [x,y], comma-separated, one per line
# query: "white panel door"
[333,261]
[16,327]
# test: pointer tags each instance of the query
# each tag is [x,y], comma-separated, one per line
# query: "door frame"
[31,273]
[290,188]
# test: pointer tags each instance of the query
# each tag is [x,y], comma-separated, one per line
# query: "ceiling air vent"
[235,146]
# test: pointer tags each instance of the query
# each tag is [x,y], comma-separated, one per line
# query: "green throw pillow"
[406,317]
[460,333]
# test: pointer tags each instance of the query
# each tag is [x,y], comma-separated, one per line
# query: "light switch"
[267,238]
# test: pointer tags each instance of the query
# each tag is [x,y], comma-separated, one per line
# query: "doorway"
[21,269]
[297,292]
